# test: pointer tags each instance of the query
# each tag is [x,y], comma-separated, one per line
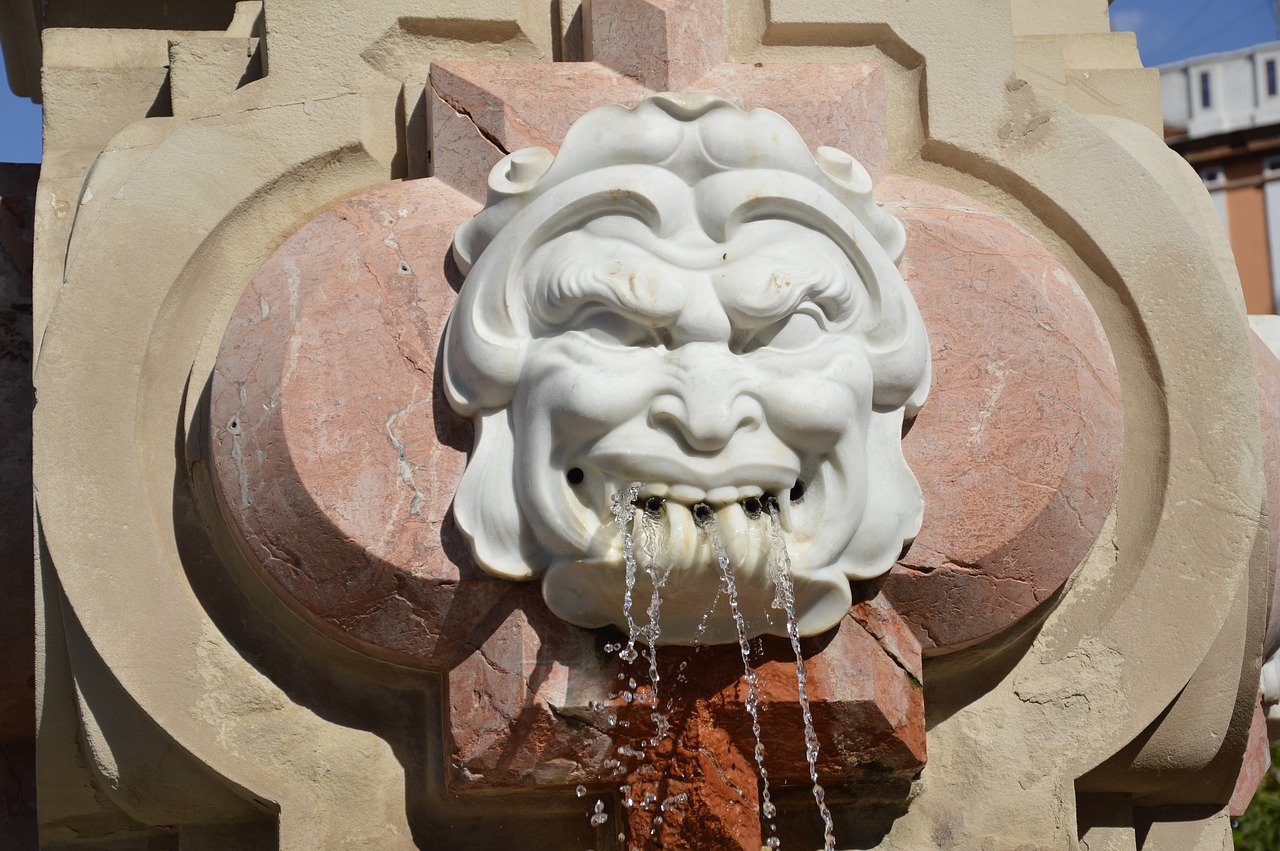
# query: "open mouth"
[703,504]
[704,510]
[683,538]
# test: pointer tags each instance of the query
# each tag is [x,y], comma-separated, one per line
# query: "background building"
[1222,113]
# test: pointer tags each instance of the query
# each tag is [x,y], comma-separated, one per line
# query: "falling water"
[654,543]
[785,598]
[753,699]
[658,567]
[624,511]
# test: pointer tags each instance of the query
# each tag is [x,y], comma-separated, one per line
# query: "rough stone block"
[1025,410]
[203,70]
[663,44]
[1257,759]
[1269,398]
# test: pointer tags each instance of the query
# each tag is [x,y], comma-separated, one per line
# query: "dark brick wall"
[17,586]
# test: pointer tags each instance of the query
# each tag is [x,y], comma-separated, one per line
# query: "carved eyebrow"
[571,280]
[772,291]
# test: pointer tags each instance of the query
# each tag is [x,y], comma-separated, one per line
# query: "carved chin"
[676,547]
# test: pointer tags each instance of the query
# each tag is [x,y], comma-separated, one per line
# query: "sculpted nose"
[707,410]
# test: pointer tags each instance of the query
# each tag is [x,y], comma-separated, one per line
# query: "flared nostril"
[702,513]
[752,506]
[653,506]
[797,491]
[771,503]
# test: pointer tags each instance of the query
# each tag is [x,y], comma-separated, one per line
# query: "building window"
[1213,176]
[1271,78]
[1271,167]
[1206,100]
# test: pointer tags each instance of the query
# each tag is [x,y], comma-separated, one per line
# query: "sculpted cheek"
[582,388]
[817,403]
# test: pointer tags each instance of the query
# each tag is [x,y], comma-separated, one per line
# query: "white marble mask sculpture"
[685,298]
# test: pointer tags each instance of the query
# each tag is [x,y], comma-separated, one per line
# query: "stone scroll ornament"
[687,300]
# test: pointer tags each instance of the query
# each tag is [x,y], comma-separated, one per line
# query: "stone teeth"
[691,494]
[723,495]
[687,494]
[656,489]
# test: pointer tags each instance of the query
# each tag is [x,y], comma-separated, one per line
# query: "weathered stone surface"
[202,70]
[1018,450]
[1269,398]
[664,44]
[338,456]
[1257,759]
[483,110]
[867,710]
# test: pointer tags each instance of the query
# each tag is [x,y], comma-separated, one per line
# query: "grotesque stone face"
[685,299]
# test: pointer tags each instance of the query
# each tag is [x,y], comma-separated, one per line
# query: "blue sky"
[1168,30]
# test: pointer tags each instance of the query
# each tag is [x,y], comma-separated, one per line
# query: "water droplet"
[631,683]
[582,790]
[770,810]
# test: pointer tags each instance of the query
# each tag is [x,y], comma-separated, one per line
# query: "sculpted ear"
[511,177]
[485,507]
[893,517]
[482,350]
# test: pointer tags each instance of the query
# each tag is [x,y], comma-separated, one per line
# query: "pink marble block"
[1018,447]
[336,459]
[481,111]
[1257,761]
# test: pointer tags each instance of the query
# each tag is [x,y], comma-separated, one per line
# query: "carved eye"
[798,331]
[615,329]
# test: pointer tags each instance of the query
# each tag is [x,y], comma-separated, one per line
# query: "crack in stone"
[465,113]
[405,467]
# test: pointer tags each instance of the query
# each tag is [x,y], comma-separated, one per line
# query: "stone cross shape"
[344,507]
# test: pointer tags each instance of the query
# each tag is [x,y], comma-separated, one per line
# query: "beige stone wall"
[181,704]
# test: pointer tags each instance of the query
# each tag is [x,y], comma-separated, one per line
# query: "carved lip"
[686,478]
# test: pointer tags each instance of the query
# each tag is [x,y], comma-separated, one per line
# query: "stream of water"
[780,571]
[654,544]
